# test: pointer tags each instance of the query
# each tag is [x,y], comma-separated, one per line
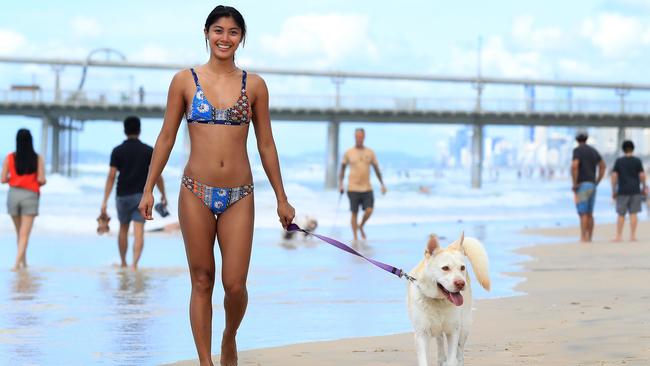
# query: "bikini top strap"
[196,78]
[243,80]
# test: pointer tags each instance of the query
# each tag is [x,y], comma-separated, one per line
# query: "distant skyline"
[603,40]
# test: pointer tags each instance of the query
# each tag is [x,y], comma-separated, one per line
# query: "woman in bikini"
[216,198]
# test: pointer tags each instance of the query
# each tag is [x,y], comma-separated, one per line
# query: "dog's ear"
[432,245]
[458,244]
[461,240]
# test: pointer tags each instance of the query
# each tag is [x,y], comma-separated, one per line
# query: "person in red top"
[24,170]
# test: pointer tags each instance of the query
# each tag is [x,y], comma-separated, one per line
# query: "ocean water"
[73,306]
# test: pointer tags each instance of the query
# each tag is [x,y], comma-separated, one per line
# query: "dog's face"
[444,271]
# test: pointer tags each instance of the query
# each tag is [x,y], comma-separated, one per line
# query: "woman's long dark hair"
[26,158]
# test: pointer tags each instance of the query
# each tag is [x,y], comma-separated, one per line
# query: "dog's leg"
[452,348]
[431,352]
[422,346]
[461,347]
[442,350]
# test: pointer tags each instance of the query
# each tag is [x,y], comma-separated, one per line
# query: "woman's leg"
[26,223]
[199,228]
[235,234]
[16,221]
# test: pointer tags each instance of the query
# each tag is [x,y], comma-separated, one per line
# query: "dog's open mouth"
[455,297]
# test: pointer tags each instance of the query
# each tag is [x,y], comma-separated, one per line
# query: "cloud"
[152,53]
[525,34]
[616,35]
[627,6]
[574,69]
[11,41]
[321,40]
[497,60]
[86,27]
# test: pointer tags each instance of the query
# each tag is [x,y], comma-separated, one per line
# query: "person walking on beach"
[628,189]
[24,170]
[219,101]
[131,159]
[360,192]
[585,161]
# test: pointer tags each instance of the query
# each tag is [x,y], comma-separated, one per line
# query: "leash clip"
[408,278]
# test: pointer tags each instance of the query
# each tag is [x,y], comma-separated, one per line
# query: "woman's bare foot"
[363,233]
[617,239]
[228,350]
[18,266]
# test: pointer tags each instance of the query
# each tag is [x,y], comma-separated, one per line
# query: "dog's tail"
[477,256]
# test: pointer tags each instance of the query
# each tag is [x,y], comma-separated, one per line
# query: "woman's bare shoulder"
[256,85]
[182,76]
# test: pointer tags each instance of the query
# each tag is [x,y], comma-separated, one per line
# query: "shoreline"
[583,304]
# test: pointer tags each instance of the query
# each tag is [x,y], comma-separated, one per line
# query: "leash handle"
[386,267]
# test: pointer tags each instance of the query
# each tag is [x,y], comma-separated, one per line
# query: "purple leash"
[386,267]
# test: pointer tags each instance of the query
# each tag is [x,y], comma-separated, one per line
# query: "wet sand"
[584,304]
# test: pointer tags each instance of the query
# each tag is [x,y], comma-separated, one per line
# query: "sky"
[595,40]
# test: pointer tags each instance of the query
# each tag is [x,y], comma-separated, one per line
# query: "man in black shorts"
[360,158]
[628,189]
[131,159]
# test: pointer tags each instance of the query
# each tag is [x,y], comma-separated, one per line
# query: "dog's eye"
[462,268]
[445,268]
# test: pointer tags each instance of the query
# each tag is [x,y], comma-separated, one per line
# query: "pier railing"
[89,98]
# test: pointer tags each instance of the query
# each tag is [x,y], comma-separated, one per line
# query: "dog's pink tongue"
[456,298]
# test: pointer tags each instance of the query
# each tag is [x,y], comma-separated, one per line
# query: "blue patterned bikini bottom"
[216,198]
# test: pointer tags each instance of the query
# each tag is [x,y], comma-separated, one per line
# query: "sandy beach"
[584,304]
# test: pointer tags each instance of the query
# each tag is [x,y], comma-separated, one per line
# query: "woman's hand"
[286,212]
[146,205]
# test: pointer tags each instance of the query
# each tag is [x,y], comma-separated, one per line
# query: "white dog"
[440,299]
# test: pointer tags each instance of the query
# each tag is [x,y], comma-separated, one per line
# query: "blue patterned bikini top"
[202,111]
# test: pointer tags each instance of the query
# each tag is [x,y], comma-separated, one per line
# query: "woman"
[24,170]
[216,198]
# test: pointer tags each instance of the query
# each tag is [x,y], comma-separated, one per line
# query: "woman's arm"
[4,176]
[160,183]
[164,142]
[40,171]
[267,149]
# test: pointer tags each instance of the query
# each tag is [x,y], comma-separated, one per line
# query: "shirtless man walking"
[360,193]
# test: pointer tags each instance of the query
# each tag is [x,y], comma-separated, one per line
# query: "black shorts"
[365,199]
